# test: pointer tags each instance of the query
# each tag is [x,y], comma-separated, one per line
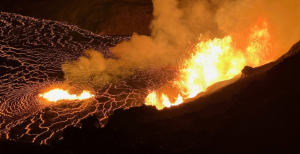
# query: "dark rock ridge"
[257,114]
[107,17]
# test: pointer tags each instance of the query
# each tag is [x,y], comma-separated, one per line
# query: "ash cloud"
[177,24]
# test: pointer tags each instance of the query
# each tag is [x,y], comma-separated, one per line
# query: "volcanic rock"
[247,70]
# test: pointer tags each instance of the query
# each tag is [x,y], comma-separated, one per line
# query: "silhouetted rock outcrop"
[247,70]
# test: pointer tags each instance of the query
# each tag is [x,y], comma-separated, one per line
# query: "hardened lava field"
[32,52]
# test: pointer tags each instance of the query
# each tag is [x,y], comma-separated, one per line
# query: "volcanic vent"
[165,69]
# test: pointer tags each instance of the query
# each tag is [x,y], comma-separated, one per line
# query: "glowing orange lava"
[214,60]
[60,94]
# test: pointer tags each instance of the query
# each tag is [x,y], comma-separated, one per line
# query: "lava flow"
[215,60]
[60,94]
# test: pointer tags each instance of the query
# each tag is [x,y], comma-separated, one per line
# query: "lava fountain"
[60,94]
[215,60]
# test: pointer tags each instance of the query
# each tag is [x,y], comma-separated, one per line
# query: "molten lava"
[215,60]
[59,94]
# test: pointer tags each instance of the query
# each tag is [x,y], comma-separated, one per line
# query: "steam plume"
[178,23]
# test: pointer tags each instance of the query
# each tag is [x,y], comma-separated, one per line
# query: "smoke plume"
[177,24]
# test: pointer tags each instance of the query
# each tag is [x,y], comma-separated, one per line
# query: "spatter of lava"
[57,94]
[212,61]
